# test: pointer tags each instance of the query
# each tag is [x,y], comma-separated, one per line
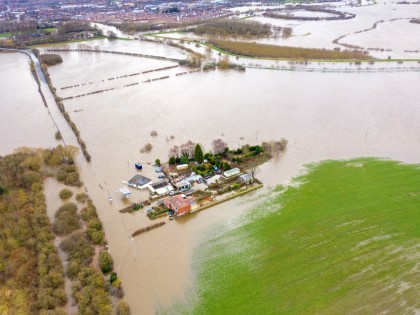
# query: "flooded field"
[24,120]
[322,115]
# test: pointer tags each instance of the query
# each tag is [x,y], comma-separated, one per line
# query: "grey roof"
[139,180]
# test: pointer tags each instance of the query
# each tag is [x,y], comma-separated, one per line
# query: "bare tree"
[187,149]
[218,146]
[174,152]
[253,171]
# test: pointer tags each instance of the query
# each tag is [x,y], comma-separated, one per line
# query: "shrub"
[184,160]
[95,232]
[65,194]
[66,219]
[236,186]
[157,161]
[172,160]
[82,197]
[89,212]
[123,308]
[58,135]
[78,249]
[50,59]
[147,148]
[68,175]
[154,133]
[113,277]
[105,262]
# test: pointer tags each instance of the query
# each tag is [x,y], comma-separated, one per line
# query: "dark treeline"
[31,274]
[131,28]
[30,33]
[227,27]
[16,27]
[285,52]
[76,27]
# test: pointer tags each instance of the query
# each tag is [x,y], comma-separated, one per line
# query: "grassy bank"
[283,52]
[345,239]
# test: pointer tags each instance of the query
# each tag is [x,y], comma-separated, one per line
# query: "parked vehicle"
[158,169]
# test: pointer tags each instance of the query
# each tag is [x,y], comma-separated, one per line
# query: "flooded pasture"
[323,116]
[24,120]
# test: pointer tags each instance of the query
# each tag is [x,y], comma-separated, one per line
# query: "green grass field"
[346,240]
[44,30]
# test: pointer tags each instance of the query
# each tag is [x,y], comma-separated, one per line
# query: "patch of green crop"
[346,239]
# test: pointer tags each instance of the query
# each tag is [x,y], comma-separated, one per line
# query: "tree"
[3,191]
[187,149]
[218,146]
[174,152]
[122,308]
[224,63]
[105,262]
[198,154]
[111,34]
[253,171]
[157,162]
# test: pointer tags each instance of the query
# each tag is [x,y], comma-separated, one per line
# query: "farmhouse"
[180,205]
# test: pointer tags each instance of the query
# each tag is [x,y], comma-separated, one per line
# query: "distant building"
[180,205]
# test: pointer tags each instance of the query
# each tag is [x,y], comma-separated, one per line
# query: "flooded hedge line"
[62,109]
[115,53]
[121,77]
[148,228]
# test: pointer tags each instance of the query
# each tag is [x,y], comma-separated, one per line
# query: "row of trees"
[286,52]
[89,288]
[193,151]
[229,27]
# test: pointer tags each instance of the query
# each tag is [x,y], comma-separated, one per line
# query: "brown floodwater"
[322,115]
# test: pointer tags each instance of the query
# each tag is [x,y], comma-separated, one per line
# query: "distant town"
[112,11]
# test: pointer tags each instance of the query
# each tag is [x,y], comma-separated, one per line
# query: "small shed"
[183,185]
[246,178]
[182,167]
[232,172]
